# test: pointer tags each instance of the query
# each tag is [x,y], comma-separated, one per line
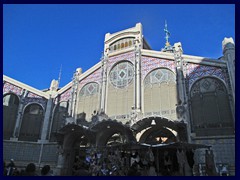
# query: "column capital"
[228,44]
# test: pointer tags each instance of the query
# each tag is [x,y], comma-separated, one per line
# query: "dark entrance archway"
[110,132]
[72,140]
[155,129]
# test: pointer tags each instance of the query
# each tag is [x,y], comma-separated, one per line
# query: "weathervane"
[59,76]
[167,34]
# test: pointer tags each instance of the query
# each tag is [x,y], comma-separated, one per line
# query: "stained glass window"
[210,108]
[89,89]
[122,74]
[160,76]
[207,85]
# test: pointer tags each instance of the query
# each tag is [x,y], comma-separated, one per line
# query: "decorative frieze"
[66,95]
[10,88]
[114,59]
[96,76]
[196,71]
[149,63]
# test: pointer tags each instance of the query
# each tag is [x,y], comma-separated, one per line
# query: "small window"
[10,100]
[130,43]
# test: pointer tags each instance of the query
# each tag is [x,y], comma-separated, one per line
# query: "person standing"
[10,167]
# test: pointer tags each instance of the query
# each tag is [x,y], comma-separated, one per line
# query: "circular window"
[122,74]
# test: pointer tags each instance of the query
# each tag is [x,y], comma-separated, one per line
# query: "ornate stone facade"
[133,91]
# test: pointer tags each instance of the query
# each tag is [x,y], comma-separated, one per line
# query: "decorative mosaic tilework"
[32,95]
[127,56]
[40,100]
[34,98]
[196,71]
[149,63]
[10,88]
[96,76]
[66,95]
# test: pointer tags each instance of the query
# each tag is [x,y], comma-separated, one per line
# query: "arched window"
[120,91]
[122,74]
[160,93]
[210,108]
[130,43]
[88,99]
[10,109]
[31,123]
[60,113]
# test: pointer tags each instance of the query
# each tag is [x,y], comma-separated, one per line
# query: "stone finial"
[54,85]
[227,43]
[139,26]
[79,71]
[178,47]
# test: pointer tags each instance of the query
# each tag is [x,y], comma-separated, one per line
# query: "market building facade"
[132,95]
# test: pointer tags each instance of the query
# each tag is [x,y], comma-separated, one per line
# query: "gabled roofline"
[187,58]
[82,76]
[25,86]
[89,71]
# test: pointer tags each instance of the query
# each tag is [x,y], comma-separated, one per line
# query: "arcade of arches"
[76,140]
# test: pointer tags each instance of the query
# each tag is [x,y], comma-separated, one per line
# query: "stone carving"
[54,85]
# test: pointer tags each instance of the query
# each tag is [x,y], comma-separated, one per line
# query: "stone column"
[138,75]
[104,81]
[47,119]
[182,106]
[228,47]
[19,115]
[75,91]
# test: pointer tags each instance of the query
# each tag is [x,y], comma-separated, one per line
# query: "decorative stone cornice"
[187,58]
[24,86]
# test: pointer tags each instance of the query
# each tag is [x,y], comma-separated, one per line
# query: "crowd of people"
[126,163]
[30,170]
[95,162]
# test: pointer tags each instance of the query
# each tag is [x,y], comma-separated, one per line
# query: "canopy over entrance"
[111,129]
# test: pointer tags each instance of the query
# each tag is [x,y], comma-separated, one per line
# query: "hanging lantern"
[153,123]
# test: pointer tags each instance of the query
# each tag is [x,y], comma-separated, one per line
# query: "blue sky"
[38,39]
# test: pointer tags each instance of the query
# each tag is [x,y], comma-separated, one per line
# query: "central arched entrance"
[156,130]
[110,132]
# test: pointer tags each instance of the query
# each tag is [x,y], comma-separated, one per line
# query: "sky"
[40,38]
